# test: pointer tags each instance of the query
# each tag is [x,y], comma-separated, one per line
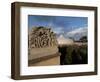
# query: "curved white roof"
[62,40]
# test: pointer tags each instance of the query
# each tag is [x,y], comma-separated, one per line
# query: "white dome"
[64,41]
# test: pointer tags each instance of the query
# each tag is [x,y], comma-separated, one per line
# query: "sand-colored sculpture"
[43,47]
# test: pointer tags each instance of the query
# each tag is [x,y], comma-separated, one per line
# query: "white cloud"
[77,33]
[79,30]
[58,30]
[55,29]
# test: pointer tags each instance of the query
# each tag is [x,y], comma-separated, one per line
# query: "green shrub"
[73,54]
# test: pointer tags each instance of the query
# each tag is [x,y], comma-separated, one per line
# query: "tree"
[83,39]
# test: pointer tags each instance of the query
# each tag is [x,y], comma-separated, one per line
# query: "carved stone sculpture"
[41,37]
[42,42]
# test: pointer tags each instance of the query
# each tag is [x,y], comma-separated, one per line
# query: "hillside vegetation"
[73,54]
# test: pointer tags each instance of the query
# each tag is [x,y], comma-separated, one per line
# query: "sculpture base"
[45,61]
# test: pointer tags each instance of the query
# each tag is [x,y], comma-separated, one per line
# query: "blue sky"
[59,24]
